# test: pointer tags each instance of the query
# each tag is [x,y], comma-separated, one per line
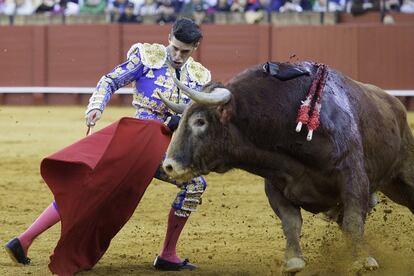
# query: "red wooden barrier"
[77,55]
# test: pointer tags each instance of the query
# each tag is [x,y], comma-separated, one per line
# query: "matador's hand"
[172,122]
[92,117]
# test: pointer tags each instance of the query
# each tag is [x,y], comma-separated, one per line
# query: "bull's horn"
[216,97]
[177,108]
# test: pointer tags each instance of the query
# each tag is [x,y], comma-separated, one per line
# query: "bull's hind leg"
[337,213]
[402,192]
[292,223]
[401,189]
[356,200]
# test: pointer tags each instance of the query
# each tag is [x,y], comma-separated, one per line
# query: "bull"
[363,145]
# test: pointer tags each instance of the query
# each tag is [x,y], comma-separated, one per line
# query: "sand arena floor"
[234,232]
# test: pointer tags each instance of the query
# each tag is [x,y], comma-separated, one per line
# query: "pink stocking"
[48,218]
[175,226]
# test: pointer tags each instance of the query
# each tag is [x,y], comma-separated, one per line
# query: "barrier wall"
[77,55]
[374,17]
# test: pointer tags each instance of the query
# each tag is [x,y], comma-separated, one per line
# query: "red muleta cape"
[97,183]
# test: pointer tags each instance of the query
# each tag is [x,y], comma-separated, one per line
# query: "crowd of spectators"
[166,11]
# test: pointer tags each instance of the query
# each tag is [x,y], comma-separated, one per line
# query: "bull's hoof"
[293,265]
[370,264]
[365,265]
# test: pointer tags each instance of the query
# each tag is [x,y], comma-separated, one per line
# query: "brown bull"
[363,145]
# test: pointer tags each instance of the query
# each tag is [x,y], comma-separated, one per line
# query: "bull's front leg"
[356,202]
[291,223]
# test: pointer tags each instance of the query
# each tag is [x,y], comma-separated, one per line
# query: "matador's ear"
[284,71]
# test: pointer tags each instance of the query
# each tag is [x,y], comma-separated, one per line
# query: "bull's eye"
[199,122]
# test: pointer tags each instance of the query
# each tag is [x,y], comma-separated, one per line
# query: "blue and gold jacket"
[148,71]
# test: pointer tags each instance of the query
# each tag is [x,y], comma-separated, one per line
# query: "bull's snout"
[175,170]
[168,166]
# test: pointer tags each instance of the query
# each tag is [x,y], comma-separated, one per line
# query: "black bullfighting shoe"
[16,253]
[161,264]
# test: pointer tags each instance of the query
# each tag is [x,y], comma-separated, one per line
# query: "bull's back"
[350,110]
[384,130]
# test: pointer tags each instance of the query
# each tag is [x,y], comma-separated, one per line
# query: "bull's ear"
[224,113]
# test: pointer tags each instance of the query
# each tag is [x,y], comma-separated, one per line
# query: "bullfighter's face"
[179,52]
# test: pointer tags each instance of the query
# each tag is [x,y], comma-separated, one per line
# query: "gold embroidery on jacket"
[153,56]
[197,72]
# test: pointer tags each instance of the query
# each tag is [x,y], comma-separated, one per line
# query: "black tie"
[177,74]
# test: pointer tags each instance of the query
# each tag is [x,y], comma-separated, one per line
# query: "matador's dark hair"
[185,30]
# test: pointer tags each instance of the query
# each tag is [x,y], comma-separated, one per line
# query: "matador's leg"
[186,201]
